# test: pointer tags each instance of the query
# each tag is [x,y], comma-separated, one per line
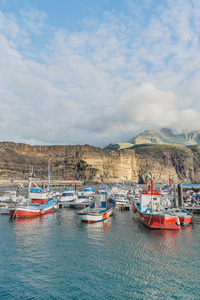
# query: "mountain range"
[163,136]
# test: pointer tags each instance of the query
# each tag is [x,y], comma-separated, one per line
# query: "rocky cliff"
[92,164]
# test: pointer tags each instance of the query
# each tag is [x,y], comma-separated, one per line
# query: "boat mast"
[152,184]
[49,174]
[30,183]
[122,169]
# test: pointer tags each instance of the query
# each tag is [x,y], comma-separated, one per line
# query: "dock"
[83,205]
[192,209]
[124,206]
[69,205]
[14,182]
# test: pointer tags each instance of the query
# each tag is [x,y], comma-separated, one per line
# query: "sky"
[97,71]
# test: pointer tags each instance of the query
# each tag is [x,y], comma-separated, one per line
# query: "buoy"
[106,216]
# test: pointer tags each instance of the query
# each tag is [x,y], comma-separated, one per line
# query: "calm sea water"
[58,257]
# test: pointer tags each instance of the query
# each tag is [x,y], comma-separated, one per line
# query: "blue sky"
[96,72]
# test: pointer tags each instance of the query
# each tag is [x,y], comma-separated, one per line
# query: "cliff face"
[92,164]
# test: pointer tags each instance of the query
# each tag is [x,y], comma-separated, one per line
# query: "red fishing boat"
[149,211]
[38,203]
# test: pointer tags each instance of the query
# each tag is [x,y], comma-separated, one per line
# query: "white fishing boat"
[102,209]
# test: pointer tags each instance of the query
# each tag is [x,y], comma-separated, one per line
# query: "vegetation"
[157,150]
[118,146]
[163,136]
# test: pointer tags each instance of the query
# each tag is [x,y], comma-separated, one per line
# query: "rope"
[14,214]
[150,219]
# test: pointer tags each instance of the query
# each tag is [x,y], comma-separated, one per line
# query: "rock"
[94,165]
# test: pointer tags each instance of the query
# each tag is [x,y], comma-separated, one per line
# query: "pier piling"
[180,195]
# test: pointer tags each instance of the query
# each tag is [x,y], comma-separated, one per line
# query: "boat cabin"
[146,201]
[100,200]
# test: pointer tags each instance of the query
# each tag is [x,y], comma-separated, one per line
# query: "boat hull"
[185,220]
[184,216]
[30,211]
[157,220]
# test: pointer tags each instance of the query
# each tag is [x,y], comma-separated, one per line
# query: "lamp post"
[152,183]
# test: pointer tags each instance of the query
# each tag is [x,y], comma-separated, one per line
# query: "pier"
[14,182]
[192,209]
[68,205]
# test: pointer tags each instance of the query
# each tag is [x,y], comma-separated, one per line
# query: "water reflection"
[96,226]
[22,221]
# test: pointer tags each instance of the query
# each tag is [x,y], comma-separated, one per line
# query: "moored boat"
[67,196]
[32,210]
[149,211]
[81,202]
[120,196]
[38,203]
[102,209]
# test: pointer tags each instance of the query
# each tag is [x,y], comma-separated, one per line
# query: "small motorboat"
[121,197]
[67,196]
[82,201]
[102,209]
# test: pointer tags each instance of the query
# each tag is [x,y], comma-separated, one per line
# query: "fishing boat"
[102,209]
[149,211]
[32,209]
[38,203]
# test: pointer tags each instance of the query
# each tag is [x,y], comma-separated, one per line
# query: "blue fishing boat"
[102,209]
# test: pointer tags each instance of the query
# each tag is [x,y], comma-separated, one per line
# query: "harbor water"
[59,257]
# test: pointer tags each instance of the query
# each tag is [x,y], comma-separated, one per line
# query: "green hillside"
[163,136]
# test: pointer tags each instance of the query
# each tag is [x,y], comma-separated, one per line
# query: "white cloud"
[104,83]
[33,20]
